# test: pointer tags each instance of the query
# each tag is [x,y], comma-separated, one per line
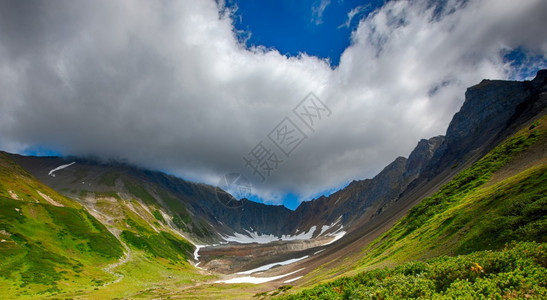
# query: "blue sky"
[317,27]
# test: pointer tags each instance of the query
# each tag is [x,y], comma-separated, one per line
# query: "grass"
[516,272]
[163,245]
[466,217]
[157,214]
[109,179]
[41,252]
[143,277]
[51,251]
[139,191]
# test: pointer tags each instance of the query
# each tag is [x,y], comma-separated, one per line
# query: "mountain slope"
[492,111]
[48,240]
[470,213]
[504,274]
[51,245]
[195,210]
[501,198]
[465,182]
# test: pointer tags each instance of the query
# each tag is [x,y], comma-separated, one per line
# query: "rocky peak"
[540,81]
[488,108]
[420,156]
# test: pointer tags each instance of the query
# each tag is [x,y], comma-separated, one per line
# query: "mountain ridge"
[154,214]
[482,120]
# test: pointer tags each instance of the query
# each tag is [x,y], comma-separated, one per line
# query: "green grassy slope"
[516,272]
[469,217]
[51,246]
[45,248]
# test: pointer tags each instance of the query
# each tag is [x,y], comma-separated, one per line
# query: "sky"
[298,97]
[318,28]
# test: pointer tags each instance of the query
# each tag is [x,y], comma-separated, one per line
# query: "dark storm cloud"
[167,85]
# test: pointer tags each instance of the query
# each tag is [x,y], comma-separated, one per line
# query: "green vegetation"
[157,214]
[181,218]
[517,272]
[43,246]
[109,179]
[470,216]
[139,191]
[467,181]
[63,251]
[45,249]
[514,210]
[179,223]
[81,225]
[467,215]
[135,225]
[162,245]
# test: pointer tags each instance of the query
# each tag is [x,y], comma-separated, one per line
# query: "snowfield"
[256,280]
[254,237]
[52,172]
[291,280]
[249,237]
[196,252]
[337,235]
[269,266]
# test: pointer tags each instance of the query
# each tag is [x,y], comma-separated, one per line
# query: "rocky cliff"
[490,110]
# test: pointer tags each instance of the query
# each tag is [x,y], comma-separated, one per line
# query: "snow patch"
[250,236]
[324,228]
[269,266]
[291,280]
[338,235]
[196,252]
[254,237]
[52,172]
[317,252]
[256,280]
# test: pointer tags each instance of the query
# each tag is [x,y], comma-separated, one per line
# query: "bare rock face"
[489,109]
[364,199]
[420,157]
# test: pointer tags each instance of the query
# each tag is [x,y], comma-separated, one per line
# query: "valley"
[459,214]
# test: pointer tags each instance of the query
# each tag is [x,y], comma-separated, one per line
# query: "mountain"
[471,239]
[482,122]
[50,243]
[194,209]
[363,199]
[81,219]
[492,110]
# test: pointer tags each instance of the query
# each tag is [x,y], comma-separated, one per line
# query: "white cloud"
[317,11]
[355,12]
[167,85]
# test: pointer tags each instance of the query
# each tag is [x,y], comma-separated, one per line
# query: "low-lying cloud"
[167,85]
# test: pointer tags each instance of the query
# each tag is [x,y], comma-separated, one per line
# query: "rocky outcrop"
[490,108]
[491,111]
[419,159]
[364,199]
